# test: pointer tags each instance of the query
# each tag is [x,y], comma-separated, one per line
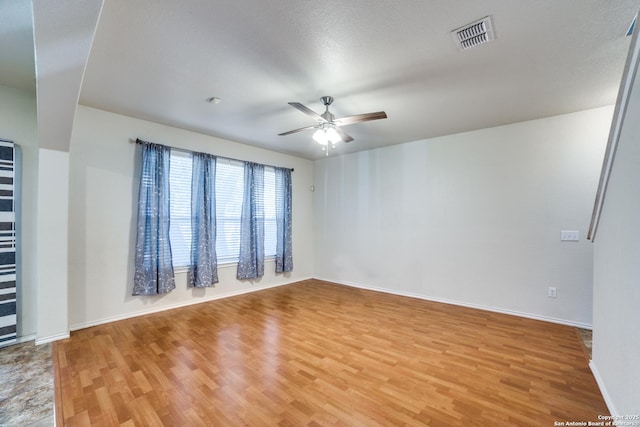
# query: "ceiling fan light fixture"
[326,127]
[326,135]
[320,137]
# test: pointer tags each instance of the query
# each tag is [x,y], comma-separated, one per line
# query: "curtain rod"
[184,150]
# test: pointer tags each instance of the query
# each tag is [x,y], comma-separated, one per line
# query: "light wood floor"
[318,354]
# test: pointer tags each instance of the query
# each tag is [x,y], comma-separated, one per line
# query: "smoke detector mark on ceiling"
[474,34]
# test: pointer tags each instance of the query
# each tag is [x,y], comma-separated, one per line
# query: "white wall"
[53,226]
[472,218]
[616,318]
[18,122]
[103,192]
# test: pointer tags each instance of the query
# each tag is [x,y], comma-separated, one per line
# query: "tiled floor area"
[26,384]
[586,336]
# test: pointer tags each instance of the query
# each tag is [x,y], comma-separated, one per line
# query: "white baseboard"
[39,341]
[603,389]
[25,338]
[345,283]
[178,305]
[464,304]
[51,338]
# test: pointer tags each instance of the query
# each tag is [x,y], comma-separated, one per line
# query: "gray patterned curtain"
[154,268]
[203,270]
[8,287]
[284,258]
[251,258]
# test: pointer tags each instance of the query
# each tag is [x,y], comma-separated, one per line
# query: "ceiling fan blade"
[343,135]
[308,111]
[297,130]
[361,118]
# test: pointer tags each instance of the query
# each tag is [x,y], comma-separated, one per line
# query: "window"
[180,208]
[270,225]
[229,191]
[229,194]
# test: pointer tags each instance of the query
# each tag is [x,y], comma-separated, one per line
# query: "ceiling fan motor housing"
[326,101]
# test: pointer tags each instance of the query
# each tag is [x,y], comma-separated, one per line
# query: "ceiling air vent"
[474,34]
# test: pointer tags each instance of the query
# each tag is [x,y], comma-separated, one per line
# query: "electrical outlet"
[551,292]
[570,235]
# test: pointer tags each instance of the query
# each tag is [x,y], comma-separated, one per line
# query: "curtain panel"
[203,270]
[284,256]
[8,285]
[251,258]
[153,264]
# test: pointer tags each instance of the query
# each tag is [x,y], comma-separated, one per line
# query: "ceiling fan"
[328,128]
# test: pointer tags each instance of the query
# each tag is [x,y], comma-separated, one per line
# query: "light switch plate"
[570,235]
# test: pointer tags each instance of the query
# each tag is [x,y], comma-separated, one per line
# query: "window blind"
[180,208]
[229,193]
[229,188]
[270,225]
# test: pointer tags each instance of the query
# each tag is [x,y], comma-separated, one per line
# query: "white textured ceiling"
[161,59]
[63,32]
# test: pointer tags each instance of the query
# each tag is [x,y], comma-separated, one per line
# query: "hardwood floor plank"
[315,353]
